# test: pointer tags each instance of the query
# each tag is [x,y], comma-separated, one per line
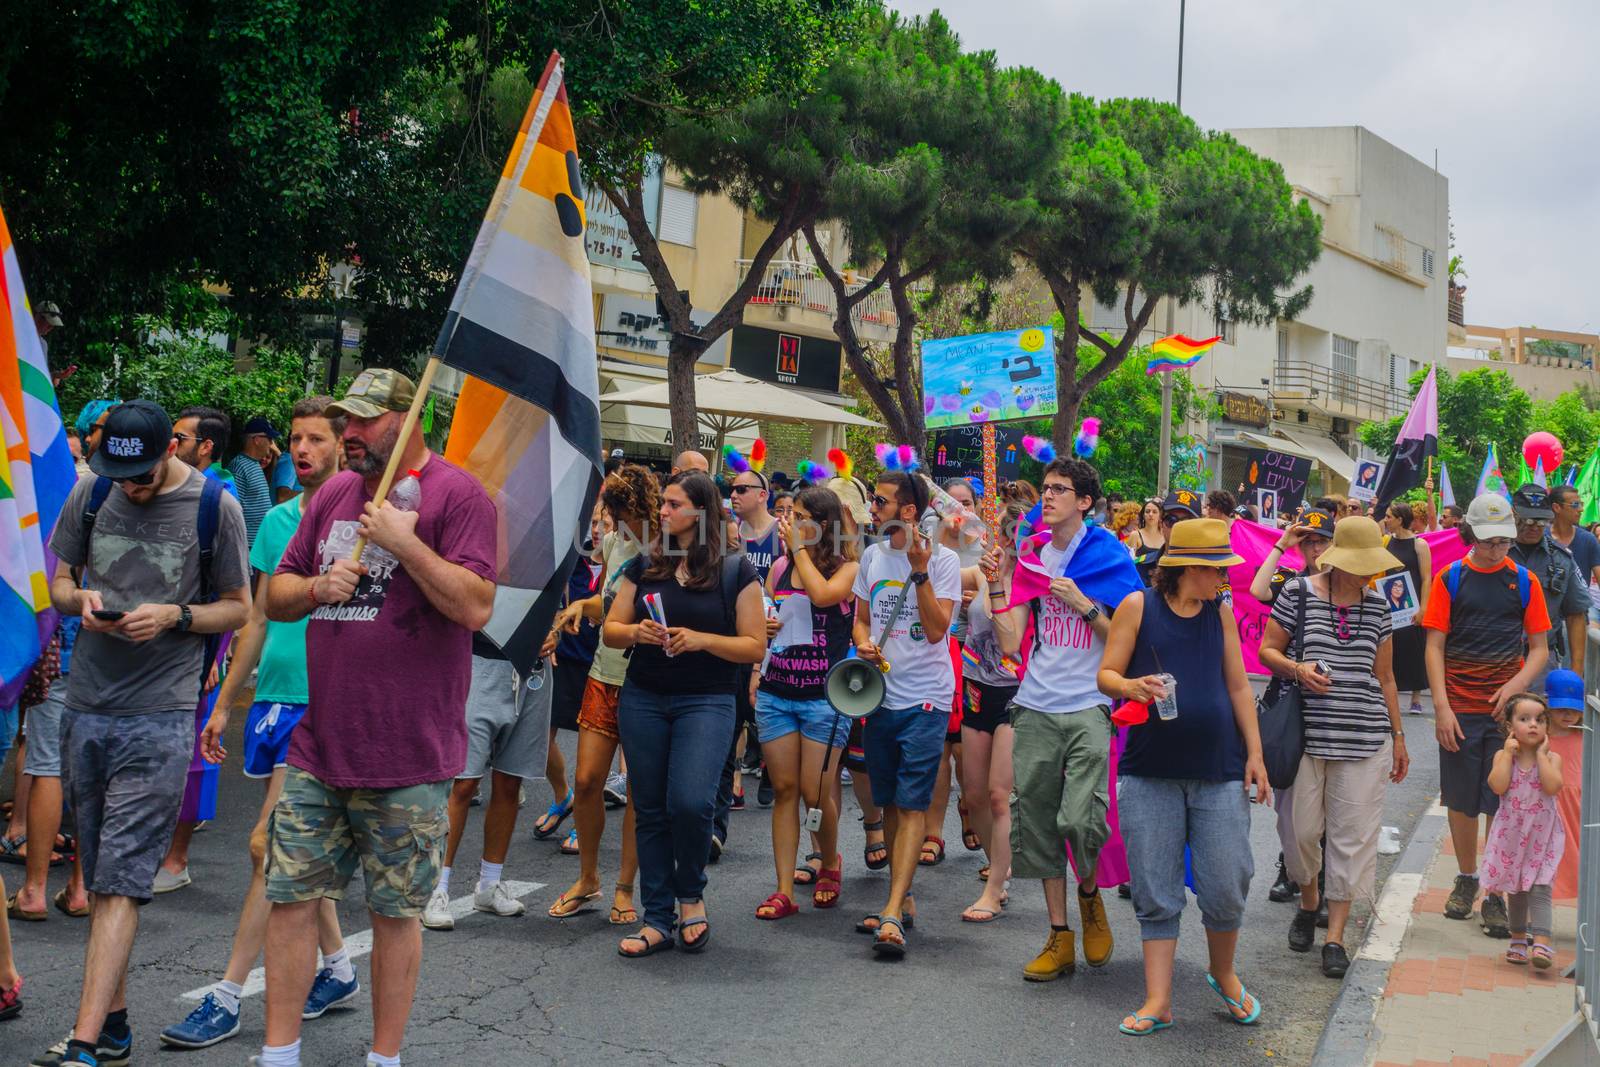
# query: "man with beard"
[156,543]
[279,704]
[202,434]
[388,665]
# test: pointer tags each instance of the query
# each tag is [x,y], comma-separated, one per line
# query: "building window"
[679,213]
[1226,328]
[1427,262]
[1344,357]
[1283,351]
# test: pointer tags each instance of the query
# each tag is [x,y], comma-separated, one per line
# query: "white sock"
[339,964]
[375,1060]
[228,994]
[444,881]
[280,1055]
[488,874]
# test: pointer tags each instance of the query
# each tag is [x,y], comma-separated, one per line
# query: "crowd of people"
[1075,674]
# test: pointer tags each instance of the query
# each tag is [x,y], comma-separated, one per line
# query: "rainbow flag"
[521,327]
[1172,353]
[35,477]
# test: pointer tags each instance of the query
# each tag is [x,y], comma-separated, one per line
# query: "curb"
[1348,1039]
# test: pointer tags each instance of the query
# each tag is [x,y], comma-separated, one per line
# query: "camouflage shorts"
[316,833]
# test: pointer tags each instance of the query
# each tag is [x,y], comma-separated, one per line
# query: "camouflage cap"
[374,391]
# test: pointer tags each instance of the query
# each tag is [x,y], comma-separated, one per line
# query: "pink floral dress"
[1526,842]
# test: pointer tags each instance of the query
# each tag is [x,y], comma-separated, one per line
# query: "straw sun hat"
[1199,543]
[1358,549]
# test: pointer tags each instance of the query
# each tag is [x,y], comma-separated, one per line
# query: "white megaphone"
[855,687]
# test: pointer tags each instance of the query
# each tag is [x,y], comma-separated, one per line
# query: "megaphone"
[854,688]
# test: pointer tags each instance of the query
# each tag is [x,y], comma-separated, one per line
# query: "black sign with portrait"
[786,358]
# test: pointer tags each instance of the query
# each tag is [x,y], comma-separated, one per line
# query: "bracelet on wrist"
[311,594]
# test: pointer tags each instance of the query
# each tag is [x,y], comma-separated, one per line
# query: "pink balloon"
[1542,445]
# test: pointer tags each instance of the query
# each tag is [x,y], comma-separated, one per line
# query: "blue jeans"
[1159,816]
[675,745]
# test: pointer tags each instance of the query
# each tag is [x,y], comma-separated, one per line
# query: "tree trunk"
[683,352]
[907,381]
[1069,396]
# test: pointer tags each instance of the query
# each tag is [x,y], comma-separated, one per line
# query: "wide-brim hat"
[1358,549]
[853,497]
[1199,543]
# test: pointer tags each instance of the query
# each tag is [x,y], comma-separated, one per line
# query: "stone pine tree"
[1146,205]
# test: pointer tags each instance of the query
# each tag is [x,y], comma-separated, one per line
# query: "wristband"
[311,594]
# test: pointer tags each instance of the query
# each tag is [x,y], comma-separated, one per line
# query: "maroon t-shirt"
[388,673]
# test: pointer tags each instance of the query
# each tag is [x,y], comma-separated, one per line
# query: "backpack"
[206,522]
[1452,582]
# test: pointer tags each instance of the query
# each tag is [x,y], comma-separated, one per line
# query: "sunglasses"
[880,501]
[139,479]
[743,488]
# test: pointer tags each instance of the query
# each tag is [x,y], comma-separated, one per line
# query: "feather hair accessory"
[1039,448]
[1088,438]
[843,465]
[734,460]
[813,473]
[758,455]
[897,457]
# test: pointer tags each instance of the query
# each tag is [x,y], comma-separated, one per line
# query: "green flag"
[1588,483]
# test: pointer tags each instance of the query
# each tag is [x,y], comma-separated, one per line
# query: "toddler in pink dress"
[1526,841]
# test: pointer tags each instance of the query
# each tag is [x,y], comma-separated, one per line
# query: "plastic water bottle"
[406,494]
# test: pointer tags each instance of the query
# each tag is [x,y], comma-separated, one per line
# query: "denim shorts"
[43,729]
[268,726]
[815,720]
[903,749]
[1464,773]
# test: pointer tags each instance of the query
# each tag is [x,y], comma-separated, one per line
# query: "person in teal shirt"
[279,651]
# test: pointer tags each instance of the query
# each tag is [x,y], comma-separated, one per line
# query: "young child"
[1564,690]
[1526,842]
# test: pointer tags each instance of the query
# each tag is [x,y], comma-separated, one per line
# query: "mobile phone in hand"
[107,615]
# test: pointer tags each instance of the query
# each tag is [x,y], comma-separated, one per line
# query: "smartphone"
[1322,669]
[813,820]
[107,615]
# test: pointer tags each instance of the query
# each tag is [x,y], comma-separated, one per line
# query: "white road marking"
[1392,917]
[359,943]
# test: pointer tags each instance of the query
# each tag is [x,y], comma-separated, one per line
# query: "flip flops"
[11,849]
[11,1001]
[987,915]
[1134,1031]
[24,916]
[60,901]
[1238,1005]
[566,907]
[569,844]
[558,811]
[624,916]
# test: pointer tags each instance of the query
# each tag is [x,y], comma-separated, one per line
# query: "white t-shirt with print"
[1064,660]
[919,672]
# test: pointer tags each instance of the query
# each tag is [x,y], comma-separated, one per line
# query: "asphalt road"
[533,990]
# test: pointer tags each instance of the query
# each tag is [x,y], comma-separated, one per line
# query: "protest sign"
[957,452]
[1401,596]
[1283,473]
[1368,473]
[988,377]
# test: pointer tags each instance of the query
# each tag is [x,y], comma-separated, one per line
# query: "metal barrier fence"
[1578,1041]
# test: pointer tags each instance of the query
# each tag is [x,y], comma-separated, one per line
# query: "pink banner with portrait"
[1254,542]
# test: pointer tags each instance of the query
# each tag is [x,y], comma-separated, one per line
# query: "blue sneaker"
[109,1052]
[327,992]
[207,1025]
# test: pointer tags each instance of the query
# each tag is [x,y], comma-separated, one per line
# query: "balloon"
[1542,445]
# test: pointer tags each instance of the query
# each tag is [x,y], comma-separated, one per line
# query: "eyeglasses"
[1496,542]
[139,479]
[1056,489]
[182,437]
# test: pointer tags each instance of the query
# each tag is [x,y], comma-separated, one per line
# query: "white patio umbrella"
[729,402]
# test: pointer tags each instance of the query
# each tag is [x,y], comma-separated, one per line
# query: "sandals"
[805,874]
[650,947]
[699,943]
[557,811]
[983,872]
[975,914]
[777,906]
[1134,1031]
[876,854]
[829,881]
[1517,951]
[890,939]
[869,924]
[566,907]
[569,844]
[969,836]
[24,916]
[62,905]
[1238,1005]
[937,851]
[1543,957]
[11,1001]
[624,916]
[11,849]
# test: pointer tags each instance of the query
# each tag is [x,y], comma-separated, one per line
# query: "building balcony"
[795,296]
[1456,309]
[1315,387]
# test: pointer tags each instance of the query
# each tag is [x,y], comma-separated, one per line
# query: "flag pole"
[406,429]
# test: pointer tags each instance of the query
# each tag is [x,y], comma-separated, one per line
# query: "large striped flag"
[1176,352]
[35,477]
[1418,439]
[521,326]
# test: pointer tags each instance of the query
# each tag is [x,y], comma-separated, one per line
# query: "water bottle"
[406,494]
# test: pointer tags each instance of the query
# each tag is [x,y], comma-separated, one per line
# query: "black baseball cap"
[134,440]
[1317,522]
[1532,501]
[1182,500]
[259,424]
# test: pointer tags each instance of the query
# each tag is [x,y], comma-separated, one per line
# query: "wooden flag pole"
[989,503]
[406,428]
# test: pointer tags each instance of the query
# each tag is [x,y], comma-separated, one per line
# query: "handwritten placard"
[1283,473]
[988,377]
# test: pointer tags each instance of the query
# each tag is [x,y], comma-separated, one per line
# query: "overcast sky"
[1508,93]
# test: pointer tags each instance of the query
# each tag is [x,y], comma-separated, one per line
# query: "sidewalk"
[1452,1000]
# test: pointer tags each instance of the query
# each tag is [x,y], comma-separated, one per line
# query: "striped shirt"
[1484,625]
[1350,721]
[255,492]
